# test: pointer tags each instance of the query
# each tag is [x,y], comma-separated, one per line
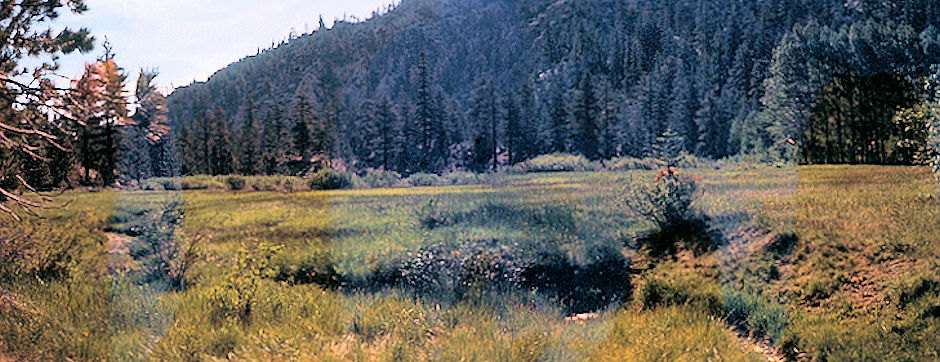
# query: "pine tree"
[100,106]
[430,150]
[559,129]
[668,148]
[585,113]
[250,141]
[514,131]
[485,112]
[531,143]
[381,129]
[220,150]
[303,117]
[276,142]
[135,162]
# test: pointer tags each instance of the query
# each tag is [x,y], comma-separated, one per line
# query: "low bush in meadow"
[382,179]
[236,183]
[329,179]
[462,178]
[421,179]
[203,182]
[629,164]
[558,162]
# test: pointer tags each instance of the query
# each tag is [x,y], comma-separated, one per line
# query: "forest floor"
[832,263]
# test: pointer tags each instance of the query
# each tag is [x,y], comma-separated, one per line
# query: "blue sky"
[188,40]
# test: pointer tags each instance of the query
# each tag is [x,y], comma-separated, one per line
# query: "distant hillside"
[603,78]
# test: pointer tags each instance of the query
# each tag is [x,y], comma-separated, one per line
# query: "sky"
[188,40]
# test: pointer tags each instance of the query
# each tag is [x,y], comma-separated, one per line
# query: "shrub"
[422,179]
[236,183]
[317,268]
[430,216]
[329,179]
[461,178]
[238,293]
[667,202]
[202,182]
[559,162]
[462,270]
[382,179]
[629,164]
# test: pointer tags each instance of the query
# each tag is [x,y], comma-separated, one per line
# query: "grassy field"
[827,263]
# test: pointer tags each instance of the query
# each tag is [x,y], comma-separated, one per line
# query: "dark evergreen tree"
[277,142]
[303,118]
[585,115]
[485,113]
[558,114]
[514,131]
[250,161]
[221,159]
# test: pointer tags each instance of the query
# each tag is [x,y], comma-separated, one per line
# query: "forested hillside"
[435,85]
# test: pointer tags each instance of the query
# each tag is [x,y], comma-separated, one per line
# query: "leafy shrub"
[667,202]
[202,182]
[559,162]
[422,179]
[431,216]
[461,178]
[162,184]
[330,179]
[278,183]
[629,164]
[382,179]
[238,294]
[461,270]
[236,183]
[317,268]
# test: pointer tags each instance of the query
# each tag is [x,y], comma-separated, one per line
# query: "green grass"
[855,230]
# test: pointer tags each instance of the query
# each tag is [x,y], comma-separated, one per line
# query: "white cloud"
[190,39]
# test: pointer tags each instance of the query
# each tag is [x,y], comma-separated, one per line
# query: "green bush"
[422,179]
[667,201]
[461,178]
[629,164]
[330,179]
[311,268]
[239,293]
[382,179]
[202,182]
[236,183]
[559,162]
[431,216]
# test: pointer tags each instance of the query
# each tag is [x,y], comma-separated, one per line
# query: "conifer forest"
[470,180]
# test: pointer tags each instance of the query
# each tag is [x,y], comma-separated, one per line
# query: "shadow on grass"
[695,234]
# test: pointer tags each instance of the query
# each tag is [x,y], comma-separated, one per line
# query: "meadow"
[824,263]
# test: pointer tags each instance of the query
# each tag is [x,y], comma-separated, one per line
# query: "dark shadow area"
[580,288]
[694,234]
[481,271]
